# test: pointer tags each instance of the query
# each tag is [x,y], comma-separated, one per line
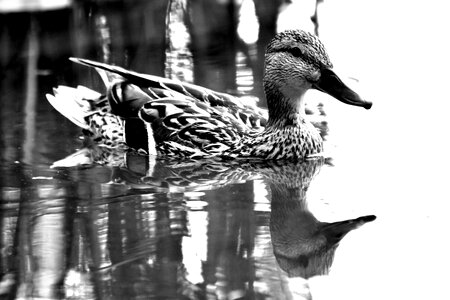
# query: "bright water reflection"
[171,230]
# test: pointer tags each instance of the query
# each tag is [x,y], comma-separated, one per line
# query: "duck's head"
[295,62]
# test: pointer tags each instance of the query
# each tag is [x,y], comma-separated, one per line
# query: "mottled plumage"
[170,118]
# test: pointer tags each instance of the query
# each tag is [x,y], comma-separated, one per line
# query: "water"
[140,228]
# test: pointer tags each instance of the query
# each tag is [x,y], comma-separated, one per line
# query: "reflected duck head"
[295,62]
[308,248]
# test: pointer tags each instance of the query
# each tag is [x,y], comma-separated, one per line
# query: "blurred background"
[390,161]
[218,44]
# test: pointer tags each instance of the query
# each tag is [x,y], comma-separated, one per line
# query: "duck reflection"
[303,246]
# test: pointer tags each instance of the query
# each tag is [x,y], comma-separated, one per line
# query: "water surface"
[144,228]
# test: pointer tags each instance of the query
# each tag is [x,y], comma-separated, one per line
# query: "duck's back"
[184,124]
[163,116]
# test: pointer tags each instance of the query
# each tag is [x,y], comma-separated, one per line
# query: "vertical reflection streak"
[31,92]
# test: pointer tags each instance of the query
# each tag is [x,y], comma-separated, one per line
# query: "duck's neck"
[285,109]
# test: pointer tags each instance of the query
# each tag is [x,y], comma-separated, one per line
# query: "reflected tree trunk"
[30,71]
[267,14]
[231,240]
[214,43]
[126,33]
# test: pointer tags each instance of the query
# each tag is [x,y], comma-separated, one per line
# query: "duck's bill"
[331,84]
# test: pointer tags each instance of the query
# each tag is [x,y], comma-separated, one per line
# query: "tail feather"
[151,81]
[113,71]
[83,156]
[72,103]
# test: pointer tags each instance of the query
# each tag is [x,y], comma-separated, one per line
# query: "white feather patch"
[151,140]
[66,101]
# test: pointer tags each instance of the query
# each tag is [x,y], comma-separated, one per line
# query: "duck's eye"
[296,51]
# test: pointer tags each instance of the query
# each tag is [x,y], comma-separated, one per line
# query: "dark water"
[141,228]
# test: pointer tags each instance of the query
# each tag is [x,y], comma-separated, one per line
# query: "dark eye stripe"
[295,51]
[303,54]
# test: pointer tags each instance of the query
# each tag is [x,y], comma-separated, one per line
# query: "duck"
[169,118]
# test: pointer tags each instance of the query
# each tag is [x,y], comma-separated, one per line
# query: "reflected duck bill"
[331,84]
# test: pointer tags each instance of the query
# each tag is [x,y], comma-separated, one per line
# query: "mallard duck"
[166,117]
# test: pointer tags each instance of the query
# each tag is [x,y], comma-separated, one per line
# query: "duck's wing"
[159,87]
[184,118]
